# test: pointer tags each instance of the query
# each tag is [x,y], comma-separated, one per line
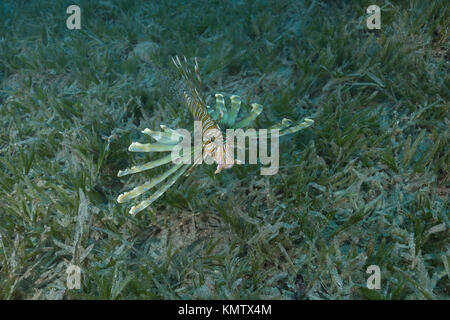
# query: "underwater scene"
[224,150]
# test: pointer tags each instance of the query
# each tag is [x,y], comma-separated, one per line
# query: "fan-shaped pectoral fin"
[150,147]
[164,137]
[234,111]
[146,166]
[148,185]
[220,110]
[291,127]
[162,189]
[254,113]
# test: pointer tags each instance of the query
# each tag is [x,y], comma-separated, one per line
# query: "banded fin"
[150,147]
[235,107]
[148,185]
[288,129]
[164,137]
[145,203]
[220,108]
[254,113]
[146,166]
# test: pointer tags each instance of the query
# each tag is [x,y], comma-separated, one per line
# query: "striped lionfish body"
[213,145]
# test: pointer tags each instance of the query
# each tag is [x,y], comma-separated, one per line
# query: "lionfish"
[212,119]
